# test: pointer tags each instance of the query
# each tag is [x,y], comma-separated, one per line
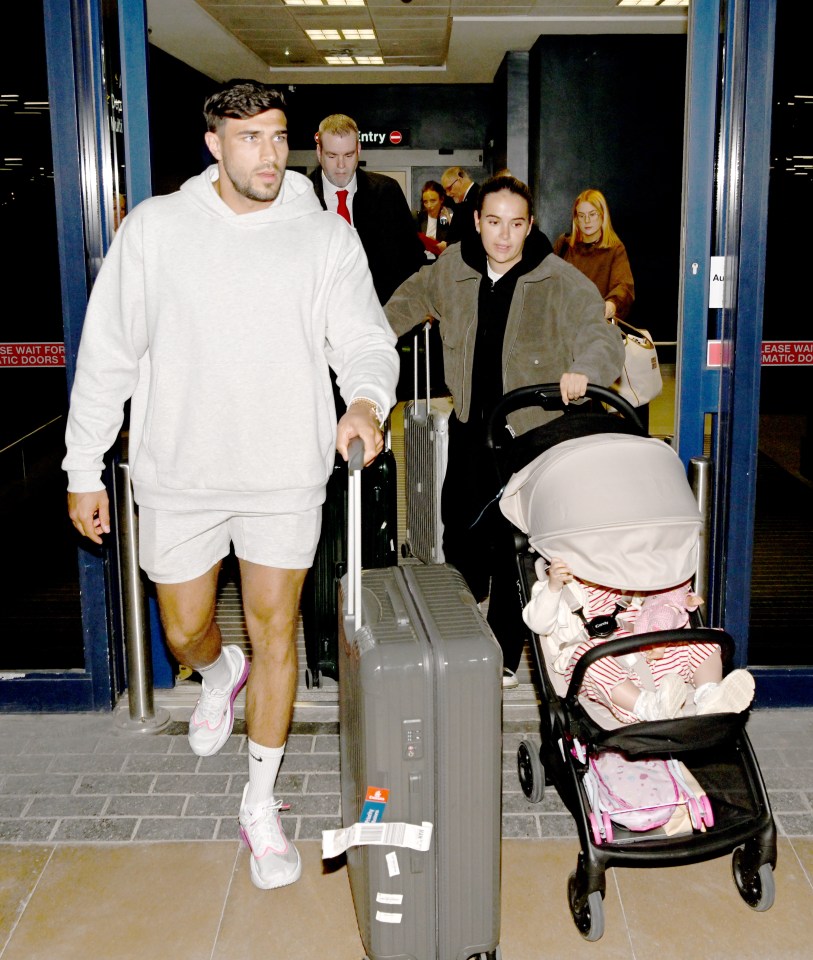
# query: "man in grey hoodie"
[218,312]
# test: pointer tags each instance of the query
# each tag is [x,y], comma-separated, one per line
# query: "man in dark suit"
[372,203]
[465,192]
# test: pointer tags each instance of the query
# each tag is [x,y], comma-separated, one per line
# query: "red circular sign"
[395,136]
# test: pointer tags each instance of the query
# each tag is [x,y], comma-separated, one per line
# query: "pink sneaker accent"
[213,717]
[275,862]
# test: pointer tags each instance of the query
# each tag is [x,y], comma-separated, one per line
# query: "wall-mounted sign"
[384,138]
[775,353]
[32,355]
[717,282]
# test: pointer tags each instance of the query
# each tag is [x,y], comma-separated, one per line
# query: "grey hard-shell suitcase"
[420,716]
[426,453]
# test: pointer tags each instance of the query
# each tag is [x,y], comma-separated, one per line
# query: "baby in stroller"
[572,616]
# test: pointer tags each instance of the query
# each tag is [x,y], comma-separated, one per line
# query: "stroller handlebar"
[548,396]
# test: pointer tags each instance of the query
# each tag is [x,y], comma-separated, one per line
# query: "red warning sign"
[788,353]
[775,353]
[32,355]
[395,136]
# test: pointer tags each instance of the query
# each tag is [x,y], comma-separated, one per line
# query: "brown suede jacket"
[555,324]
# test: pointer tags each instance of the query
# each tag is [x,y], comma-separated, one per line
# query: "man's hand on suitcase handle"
[361,421]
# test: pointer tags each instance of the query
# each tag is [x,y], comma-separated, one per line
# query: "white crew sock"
[218,675]
[263,767]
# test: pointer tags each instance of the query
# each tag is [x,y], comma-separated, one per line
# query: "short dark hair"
[495,184]
[239,100]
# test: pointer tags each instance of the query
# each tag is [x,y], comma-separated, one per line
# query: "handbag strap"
[644,334]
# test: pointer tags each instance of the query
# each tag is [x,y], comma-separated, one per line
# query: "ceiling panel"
[445,41]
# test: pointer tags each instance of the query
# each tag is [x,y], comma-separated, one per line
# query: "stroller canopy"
[618,509]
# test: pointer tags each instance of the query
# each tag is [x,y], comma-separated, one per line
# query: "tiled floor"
[125,845]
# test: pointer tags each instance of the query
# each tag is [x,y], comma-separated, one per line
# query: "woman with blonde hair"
[593,247]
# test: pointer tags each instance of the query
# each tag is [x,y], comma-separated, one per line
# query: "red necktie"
[341,196]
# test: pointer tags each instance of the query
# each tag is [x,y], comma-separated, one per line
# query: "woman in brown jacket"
[593,247]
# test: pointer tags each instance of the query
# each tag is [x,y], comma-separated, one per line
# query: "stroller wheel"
[530,771]
[756,887]
[587,912]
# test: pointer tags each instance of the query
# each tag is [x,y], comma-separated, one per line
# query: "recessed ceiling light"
[329,3]
[369,61]
[340,61]
[359,34]
[323,34]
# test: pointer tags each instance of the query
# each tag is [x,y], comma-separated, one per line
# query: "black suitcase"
[320,607]
[420,700]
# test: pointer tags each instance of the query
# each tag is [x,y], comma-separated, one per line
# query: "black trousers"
[478,540]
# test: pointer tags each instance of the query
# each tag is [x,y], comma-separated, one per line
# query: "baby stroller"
[594,487]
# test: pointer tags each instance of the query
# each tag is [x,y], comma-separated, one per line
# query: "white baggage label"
[395,899]
[388,917]
[409,835]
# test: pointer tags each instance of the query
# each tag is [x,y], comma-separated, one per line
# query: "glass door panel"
[40,617]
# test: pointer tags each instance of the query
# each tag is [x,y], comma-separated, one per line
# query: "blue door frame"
[729,100]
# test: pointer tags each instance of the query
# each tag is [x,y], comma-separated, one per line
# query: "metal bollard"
[143,717]
[701,480]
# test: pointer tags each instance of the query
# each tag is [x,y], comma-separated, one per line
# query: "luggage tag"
[412,835]
[374,805]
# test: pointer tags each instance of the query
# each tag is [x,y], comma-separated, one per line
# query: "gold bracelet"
[374,405]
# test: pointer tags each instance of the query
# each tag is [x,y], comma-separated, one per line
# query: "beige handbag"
[640,380]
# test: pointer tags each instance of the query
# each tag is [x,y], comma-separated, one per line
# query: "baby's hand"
[559,573]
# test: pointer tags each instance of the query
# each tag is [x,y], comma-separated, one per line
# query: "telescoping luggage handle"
[355,464]
[426,328]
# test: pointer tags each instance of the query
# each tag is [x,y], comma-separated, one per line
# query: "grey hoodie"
[221,326]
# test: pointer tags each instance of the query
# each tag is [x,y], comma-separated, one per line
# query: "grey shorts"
[175,547]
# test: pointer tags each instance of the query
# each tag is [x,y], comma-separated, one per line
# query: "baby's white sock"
[733,694]
[665,703]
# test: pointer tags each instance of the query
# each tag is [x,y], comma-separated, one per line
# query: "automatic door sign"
[30,355]
[775,353]
[789,353]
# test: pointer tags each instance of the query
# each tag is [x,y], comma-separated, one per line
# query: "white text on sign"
[32,355]
[775,353]
[793,353]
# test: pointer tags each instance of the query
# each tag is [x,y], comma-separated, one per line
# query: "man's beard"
[262,194]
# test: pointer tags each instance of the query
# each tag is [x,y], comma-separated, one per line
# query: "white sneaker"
[213,717]
[732,694]
[665,703]
[509,679]
[274,861]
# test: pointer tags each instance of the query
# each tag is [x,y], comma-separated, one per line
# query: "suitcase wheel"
[312,680]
